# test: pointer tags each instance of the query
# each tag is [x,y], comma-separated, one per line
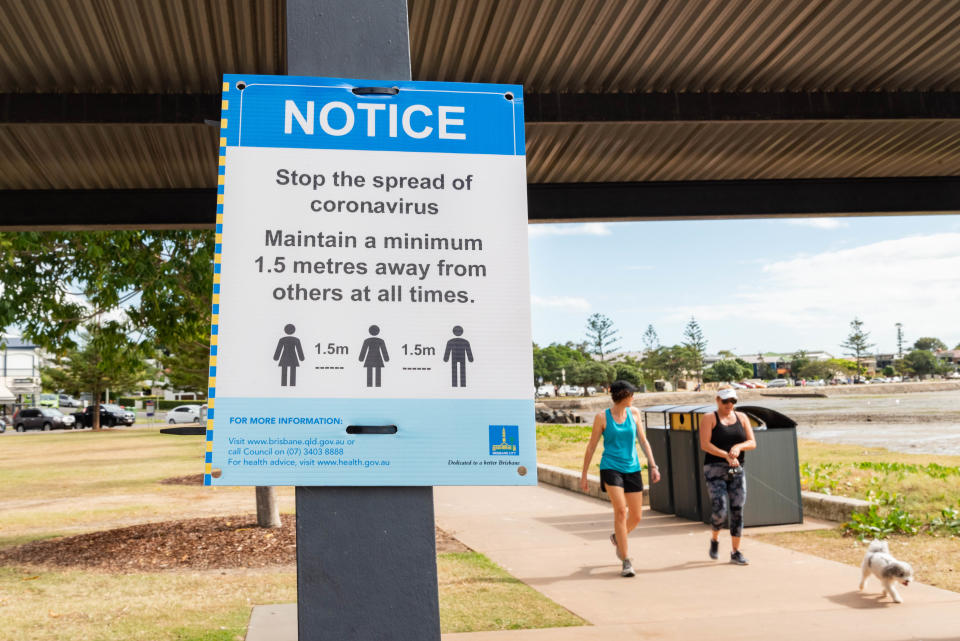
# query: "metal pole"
[366,556]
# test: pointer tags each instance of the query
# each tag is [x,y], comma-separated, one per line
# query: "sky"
[753,285]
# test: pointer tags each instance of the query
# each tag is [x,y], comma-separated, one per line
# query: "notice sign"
[371,306]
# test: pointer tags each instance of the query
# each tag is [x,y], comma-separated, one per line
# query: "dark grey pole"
[366,556]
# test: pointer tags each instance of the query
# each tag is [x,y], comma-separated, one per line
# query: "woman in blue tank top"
[621,428]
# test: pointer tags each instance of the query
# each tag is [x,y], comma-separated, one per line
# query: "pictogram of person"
[289,354]
[458,353]
[373,354]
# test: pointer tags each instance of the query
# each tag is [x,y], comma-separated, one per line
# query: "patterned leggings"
[726,492]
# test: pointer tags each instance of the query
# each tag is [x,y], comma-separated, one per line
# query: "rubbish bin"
[773,469]
[655,422]
[685,459]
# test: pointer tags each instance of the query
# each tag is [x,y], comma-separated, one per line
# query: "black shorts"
[629,481]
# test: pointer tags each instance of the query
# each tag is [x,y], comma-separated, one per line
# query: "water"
[914,438]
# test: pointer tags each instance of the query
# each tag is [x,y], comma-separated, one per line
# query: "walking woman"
[621,428]
[724,436]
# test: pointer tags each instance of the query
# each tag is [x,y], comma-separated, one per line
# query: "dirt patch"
[195,544]
[189,479]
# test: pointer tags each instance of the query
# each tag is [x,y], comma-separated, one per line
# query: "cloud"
[818,223]
[913,280]
[561,302]
[569,229]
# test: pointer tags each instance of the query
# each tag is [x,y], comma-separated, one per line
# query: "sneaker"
[737,558]
[627,569]
[714,547]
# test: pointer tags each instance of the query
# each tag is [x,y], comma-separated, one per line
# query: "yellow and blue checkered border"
[215,310]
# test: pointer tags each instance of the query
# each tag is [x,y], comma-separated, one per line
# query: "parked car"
[777,382]
[49,400]
[591,391]
[544,390]
[737,385]
[42,418]
[68,401]
[110,416]
[184,414]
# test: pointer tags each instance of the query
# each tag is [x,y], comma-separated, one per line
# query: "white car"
[777,382]
[545,390]
[184,414]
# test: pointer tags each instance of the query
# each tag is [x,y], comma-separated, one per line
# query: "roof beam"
[95,108]
[195,208]
[177,109]
[743,106]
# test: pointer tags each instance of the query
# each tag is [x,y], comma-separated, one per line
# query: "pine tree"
[857,342]
[650,340]
[697,345]
[601,335]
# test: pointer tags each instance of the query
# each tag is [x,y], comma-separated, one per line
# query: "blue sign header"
[376,115]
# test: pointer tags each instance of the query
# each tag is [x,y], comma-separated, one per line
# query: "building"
[761,363]
[20,363]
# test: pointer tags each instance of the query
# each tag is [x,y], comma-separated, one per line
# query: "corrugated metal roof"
[184,156]
[690,45]
[132,46]
[107,156]
[547,45]
[605,152]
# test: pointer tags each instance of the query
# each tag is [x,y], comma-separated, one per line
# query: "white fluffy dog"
[882,565]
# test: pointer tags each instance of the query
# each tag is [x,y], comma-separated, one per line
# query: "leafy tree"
[107,359]
[549,361]
[921,362]
[857,342]
[650,339]
[601,335]
[697,346]
[727,354]
[843,365]
[591,373]
[929,344]
[627,372]
[671,362]
[899,327]
[156,283]
[797,362]
[817,370]
[727,370]
[888,370]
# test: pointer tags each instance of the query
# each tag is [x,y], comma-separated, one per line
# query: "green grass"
[846,470]
[476,594]
[70,605]
[67,483]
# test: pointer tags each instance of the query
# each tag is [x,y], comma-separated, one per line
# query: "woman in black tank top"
[724,436]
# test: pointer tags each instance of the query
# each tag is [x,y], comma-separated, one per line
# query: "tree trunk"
[268,513]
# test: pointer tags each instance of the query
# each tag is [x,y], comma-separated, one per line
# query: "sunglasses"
[729,401]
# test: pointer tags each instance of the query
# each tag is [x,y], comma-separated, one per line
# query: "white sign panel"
[371,298]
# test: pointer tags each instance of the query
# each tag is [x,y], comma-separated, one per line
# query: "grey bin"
[686,462]
[773,474]
[655,422]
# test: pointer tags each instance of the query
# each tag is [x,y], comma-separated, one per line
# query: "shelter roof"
[114,95]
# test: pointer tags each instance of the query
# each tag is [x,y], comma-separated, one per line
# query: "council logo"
[504,440]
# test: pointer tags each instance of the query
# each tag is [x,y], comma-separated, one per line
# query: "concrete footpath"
[557,542]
